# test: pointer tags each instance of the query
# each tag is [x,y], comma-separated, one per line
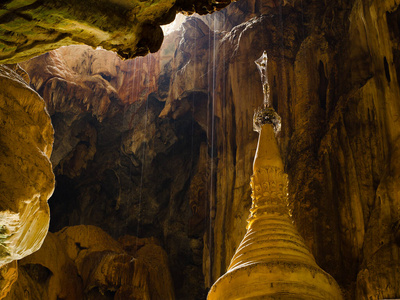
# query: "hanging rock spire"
[262,63]
[267,112]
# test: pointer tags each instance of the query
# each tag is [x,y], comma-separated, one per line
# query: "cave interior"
[127,144]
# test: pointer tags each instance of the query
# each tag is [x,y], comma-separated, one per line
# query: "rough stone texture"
[47,274]
[83,262]
[334,82]
[26,177]
[8,276]
[149,252]
[334,78]
[130,28]
[111,146]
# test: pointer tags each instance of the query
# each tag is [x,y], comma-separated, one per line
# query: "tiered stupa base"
[272,261]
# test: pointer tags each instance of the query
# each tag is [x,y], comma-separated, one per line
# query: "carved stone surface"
[269,192]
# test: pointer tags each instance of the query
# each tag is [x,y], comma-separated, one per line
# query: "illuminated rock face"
[26,177]
[84,262]
[8,275]
[128,27]
[272,261]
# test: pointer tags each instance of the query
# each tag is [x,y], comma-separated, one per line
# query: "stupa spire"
[272,261]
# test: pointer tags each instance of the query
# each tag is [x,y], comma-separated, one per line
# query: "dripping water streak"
[130,102]
[193,60]
[213,128]
[193,94]
[302,18]
[208,132]
[283,73]
[143,164]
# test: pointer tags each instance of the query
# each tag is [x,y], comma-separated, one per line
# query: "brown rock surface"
[26,177]
[84,262]
[335,86]
[8,276]
[148,252]
[130,28]
[105,267]
[137,151]
[47,274]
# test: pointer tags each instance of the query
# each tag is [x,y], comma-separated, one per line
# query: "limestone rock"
[47,274]
[26,177]
[130,28]
[84,262]
[106,268]
[58,80]
[148,252]
[8,275]
[123,134]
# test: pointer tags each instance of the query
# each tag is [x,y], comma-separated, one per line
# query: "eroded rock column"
[26,176]
[272,261]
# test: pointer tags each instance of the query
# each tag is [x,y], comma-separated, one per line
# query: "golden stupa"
[272,261]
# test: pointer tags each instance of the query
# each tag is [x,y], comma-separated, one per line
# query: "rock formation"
[112,145]
[130,28]
[26,177]
[47,274]
[83,262]
[8,276]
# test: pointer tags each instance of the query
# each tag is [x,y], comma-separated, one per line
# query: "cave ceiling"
[130,28]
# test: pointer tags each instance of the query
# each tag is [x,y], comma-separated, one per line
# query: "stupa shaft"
[272,261]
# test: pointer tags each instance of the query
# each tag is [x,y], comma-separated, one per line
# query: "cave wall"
[333,75]
[26,177]
[84,262]
[29,28]
[333,79]
[119,165]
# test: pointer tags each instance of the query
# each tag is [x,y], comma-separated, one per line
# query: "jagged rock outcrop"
[26,177]
[47,274]
[149,252]
[84,262]
[334,81]
[130,28]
